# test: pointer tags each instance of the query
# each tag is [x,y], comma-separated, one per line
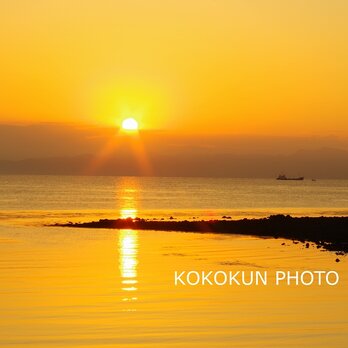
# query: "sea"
[64,287]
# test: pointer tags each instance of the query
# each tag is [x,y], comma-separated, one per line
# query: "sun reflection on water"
[128,213]
[128,239]
[128,248]
[129,197]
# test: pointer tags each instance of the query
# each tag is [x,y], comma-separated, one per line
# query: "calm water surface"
[78,198]
[64,287]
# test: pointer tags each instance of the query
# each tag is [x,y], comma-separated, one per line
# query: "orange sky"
[261,67]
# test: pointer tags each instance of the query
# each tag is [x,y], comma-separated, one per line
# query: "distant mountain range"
[81,150]
[321,163]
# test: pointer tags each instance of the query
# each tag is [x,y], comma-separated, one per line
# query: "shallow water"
[62,287]
[95,288]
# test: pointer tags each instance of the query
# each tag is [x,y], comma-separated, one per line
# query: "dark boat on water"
[284,177]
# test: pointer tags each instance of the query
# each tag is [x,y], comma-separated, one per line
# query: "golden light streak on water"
[128,254]
[129,197]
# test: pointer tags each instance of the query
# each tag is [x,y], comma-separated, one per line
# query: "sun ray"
[128,137]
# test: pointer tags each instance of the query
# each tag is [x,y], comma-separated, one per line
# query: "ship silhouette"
[284,177]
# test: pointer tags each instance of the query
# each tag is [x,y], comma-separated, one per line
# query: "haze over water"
[101,288]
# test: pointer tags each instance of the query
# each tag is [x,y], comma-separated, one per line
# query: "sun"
[130,124]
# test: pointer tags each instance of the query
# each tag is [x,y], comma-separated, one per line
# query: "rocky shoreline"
[329,233]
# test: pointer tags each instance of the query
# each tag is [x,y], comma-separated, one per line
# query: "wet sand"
[329,233]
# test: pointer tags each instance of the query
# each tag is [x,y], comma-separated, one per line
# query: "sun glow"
[130,124]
